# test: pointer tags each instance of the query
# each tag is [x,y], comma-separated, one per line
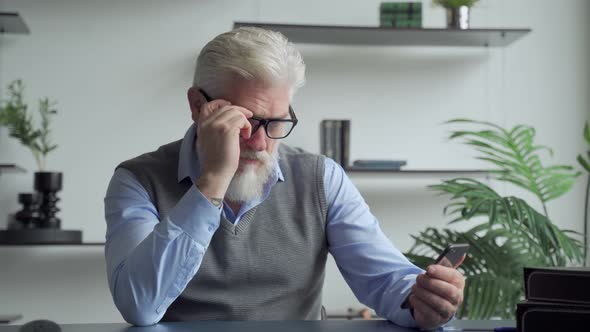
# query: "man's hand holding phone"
[438,293]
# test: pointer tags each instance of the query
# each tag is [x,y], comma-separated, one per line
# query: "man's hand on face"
[436,296]
[220,126]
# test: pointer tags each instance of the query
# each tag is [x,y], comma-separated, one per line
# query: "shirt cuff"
[196,216]
[404,317]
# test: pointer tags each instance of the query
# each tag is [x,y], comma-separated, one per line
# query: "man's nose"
[257,140]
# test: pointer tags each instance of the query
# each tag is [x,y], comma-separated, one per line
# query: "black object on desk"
[40,325]
[565,285]
[557,299]
[267,326]
[546,316]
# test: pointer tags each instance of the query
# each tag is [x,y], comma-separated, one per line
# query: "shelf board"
[12,23]
[11,168]
[54,244]
[366,35]
[8,318]
[442,172]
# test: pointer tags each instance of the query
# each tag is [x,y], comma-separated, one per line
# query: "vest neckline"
[242,225]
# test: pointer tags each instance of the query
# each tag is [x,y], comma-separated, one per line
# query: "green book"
[401,24]
[394,17]
[392,26]
[407,12]
[400,21]
[394,7]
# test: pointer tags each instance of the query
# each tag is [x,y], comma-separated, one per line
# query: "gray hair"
[250,53]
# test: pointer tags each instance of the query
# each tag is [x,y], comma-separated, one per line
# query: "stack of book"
[557,299]
[400,14]
[335,140]
[377,165]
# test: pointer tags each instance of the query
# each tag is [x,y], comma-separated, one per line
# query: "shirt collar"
[188,160]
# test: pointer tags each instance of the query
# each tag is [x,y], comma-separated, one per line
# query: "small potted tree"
[15,117]
[457,12]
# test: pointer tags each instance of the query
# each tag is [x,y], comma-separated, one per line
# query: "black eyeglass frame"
[264,122]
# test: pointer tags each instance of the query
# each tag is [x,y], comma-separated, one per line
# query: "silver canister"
[458,18]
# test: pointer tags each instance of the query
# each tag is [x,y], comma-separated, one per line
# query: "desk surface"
[269,326]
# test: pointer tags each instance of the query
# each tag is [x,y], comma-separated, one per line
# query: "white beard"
[249,180]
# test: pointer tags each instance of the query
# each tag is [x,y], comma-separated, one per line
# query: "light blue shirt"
[151,258]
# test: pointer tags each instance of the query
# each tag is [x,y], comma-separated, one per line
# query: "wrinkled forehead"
[264,100]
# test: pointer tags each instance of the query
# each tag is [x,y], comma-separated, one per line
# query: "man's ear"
[196,100]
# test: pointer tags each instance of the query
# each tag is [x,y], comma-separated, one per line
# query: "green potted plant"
[14,115]
[457,12]
[505,232]
[585,162]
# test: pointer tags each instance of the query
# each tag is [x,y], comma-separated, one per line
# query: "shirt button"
[211,228]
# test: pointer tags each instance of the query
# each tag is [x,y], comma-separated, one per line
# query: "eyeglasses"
[274,128]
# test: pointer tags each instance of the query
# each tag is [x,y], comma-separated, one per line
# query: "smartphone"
[453,255]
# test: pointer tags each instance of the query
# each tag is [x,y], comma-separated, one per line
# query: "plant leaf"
[15,116]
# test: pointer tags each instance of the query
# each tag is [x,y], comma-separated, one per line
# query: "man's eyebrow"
[284,117]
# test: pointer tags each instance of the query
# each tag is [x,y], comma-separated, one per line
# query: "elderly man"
[227,223]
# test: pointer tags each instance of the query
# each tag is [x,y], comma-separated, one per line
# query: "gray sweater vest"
[271,264]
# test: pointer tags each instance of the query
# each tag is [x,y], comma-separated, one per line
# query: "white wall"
[120,69]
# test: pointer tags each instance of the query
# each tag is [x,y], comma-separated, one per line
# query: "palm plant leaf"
[515,235]
[471,198]
[490,296]
[508,234]
[515,155]
[585,162]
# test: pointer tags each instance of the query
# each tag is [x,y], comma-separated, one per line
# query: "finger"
[424,313]
[447,274]
[222,114]
[443,307]
[246,130]
[242,123]
[247,113]
[441,288]
[225,114]
[231,121]
[212,106]
[210,114]
[245,126]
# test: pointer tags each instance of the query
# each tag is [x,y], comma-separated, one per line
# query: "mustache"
[259,155]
